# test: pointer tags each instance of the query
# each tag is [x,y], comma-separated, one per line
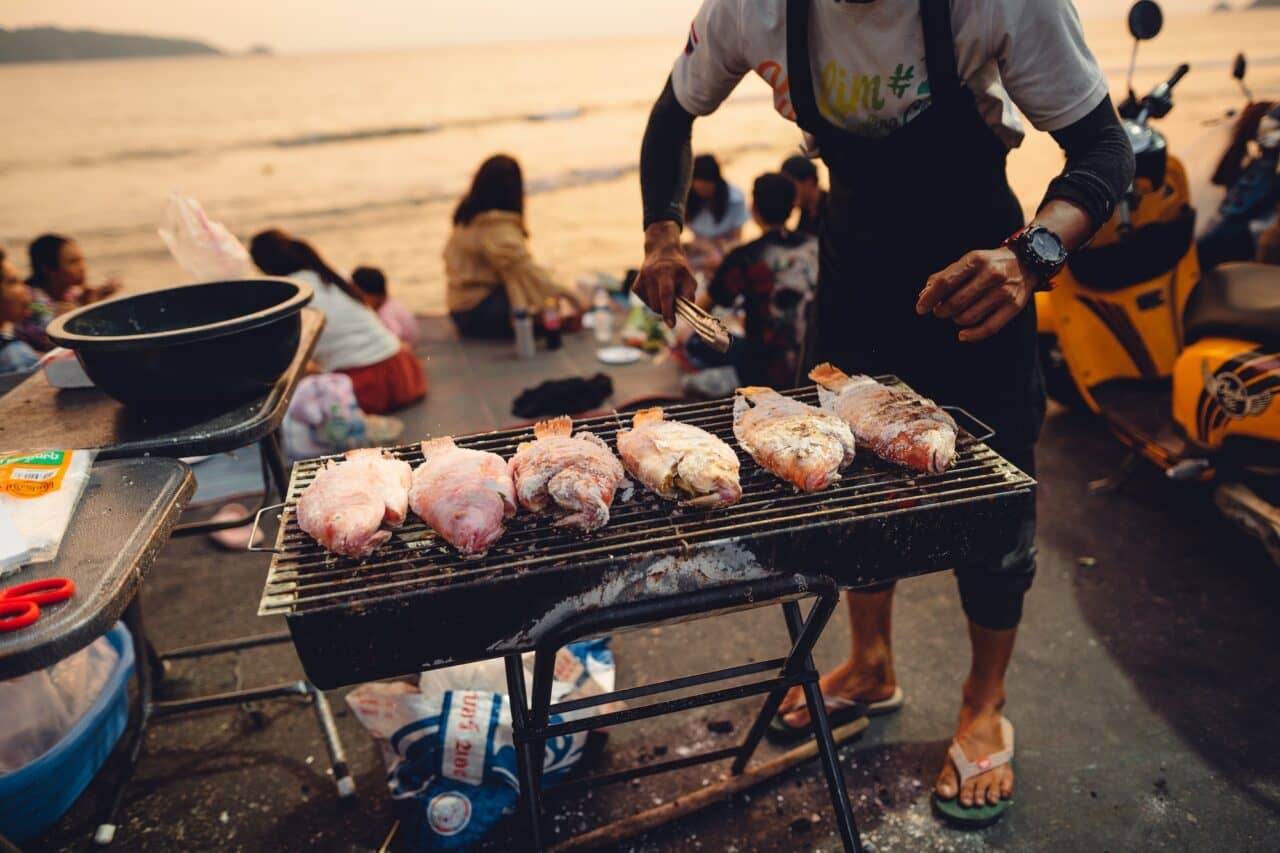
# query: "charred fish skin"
[576,473]
[464,495]
[897,424]
[803,445]
[680,461]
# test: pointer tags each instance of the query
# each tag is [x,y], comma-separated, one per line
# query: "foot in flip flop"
[848,690]
[975,786]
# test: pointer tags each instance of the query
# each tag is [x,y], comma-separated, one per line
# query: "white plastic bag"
[38,494]
[202,246]
[41,707]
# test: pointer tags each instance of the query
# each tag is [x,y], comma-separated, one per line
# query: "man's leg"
[867,676]
[979,732]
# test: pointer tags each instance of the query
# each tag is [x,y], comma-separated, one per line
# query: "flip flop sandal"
[975,817]
[839,712]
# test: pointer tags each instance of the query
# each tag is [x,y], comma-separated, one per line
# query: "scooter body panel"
[1225,391]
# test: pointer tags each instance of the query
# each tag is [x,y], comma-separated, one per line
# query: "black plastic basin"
[201,344]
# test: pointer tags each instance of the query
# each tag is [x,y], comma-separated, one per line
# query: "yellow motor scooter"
[1184,368]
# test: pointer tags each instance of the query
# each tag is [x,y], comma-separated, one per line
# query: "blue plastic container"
[32,798]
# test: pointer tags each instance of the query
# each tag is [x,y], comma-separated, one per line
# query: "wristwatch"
[1040,250]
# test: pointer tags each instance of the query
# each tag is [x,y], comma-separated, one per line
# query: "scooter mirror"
[1238,69]
[1145,20]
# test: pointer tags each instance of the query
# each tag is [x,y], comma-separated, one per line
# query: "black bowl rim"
[58,333]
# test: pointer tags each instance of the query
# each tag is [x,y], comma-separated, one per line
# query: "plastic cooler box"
[32,798]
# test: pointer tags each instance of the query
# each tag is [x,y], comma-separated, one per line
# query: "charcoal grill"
[416,605]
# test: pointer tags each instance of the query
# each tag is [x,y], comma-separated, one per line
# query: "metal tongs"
[708,327]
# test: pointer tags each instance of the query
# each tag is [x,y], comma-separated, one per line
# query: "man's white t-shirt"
[868,61]
[353,335]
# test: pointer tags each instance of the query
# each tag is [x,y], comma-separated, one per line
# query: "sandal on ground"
[979,816]
[839,712]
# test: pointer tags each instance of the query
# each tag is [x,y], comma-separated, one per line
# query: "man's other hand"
[982,291]
[665,273]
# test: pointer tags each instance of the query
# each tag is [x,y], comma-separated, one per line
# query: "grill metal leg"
[845,823]
[337,756]
[528,754]
[801,647]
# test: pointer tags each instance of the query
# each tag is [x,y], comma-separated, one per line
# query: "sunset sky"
[309,25]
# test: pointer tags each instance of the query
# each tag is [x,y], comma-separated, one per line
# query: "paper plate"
[618,355]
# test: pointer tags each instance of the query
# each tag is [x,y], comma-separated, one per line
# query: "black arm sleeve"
[1099,164]
[666,159]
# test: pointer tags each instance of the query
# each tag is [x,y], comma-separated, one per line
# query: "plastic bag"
[323,418]
[41,707]
[451,762]
[38,494]
[202,246]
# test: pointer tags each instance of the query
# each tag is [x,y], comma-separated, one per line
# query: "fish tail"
[562,425]
[435,445]
[829,376]
[648,416]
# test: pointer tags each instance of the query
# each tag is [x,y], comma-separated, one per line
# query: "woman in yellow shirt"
[487,264]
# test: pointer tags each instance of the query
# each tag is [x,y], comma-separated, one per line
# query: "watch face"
[1046,245]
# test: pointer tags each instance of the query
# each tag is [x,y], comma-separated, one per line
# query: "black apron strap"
[939,48]
[799,74]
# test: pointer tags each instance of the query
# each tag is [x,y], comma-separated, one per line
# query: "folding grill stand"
[152,665]
[532,727]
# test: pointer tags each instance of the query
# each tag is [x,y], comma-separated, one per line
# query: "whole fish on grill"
[801,444]
[896,423]
[679,460]
[464,495]
[576,473]
[348,503]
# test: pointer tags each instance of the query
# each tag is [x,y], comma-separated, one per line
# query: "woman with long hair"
[715,212]
[385,375]
[488,267]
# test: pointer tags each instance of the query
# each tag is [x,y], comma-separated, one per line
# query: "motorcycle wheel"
[1057,375]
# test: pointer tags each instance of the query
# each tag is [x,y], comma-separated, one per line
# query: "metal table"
[131,503]
[36,416]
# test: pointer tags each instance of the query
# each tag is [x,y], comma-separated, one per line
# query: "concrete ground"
[1144,689]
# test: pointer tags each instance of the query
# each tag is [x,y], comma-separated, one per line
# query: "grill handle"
[983,433]
[253,534]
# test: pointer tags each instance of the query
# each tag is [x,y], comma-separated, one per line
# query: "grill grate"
[305,579]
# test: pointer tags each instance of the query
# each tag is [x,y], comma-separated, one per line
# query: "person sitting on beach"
[392,313]
[57,281]
[773,279]
[386,376]
[811,198]
[715,212]
[15,356]
[488,267]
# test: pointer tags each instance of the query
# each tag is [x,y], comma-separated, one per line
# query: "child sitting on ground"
[391,312]
[773,280]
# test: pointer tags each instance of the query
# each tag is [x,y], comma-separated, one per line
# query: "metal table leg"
[132,619]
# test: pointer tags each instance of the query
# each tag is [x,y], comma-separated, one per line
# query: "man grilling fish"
[927,270]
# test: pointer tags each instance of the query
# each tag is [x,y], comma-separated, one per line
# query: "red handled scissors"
[20,605]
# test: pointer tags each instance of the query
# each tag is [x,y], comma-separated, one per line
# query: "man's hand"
[983,290]
[665,273]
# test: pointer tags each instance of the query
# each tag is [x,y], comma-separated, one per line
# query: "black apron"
[901,208]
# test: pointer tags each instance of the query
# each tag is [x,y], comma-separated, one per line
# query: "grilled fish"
[348,503]
[897,424]
[576,473]
[803,445]
[464,495]
[679,460]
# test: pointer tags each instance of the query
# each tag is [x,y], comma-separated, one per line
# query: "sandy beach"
[365,153]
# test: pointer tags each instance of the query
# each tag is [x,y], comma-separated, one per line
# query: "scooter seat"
[1236,301]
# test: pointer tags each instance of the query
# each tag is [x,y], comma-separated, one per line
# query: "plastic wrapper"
[447,743]
[38,495]
[203,247]
[41,707]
